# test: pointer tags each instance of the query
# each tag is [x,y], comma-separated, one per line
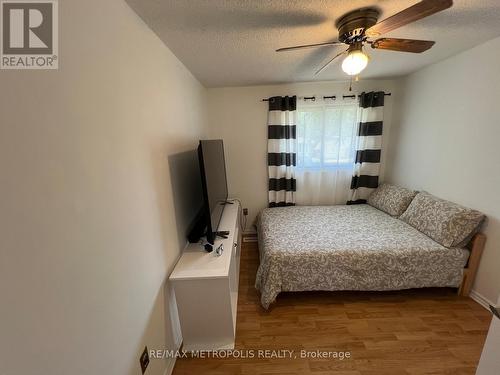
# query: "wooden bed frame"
[476,247]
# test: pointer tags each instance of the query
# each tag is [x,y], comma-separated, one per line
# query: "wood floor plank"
[414,332]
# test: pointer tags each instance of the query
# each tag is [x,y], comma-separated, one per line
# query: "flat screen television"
[214,184]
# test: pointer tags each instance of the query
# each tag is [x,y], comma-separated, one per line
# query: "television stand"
[206,288]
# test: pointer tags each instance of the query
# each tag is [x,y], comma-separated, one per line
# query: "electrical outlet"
[144,360]
[245,211]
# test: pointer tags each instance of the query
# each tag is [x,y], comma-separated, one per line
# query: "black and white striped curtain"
[281,156]
[369,147]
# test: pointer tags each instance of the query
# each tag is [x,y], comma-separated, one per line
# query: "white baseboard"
[250,239]
[479,298]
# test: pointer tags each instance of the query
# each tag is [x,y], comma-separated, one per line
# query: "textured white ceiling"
[233,42]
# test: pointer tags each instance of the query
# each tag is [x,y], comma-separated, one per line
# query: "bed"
[357,247]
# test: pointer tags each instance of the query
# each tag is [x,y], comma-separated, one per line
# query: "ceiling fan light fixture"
[355,62]
[357,27]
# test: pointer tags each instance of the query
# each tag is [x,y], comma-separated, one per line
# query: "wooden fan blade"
[329,62]
[414,13]
[305,46]
[403,45]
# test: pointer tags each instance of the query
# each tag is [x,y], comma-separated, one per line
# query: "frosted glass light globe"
[354,63]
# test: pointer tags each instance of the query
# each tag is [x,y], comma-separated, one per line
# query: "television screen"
[187,192]
[213,176]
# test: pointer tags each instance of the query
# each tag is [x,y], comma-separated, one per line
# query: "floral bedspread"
[348,248]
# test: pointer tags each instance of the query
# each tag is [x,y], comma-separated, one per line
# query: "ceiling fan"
[358,27]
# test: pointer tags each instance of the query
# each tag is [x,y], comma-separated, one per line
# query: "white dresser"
[206,288]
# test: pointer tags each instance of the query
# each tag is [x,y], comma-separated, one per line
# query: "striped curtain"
[369,147]
[281,156]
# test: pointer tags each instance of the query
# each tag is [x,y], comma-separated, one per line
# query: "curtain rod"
[333,97]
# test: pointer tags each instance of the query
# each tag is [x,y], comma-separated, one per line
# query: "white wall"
[446,135]
[237,115]
[88,233]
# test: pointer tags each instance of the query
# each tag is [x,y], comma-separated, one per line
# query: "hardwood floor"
[430,331]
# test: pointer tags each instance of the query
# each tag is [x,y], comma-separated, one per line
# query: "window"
[326,136]
[326,144]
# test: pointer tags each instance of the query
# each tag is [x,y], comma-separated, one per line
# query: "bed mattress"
[353,247]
